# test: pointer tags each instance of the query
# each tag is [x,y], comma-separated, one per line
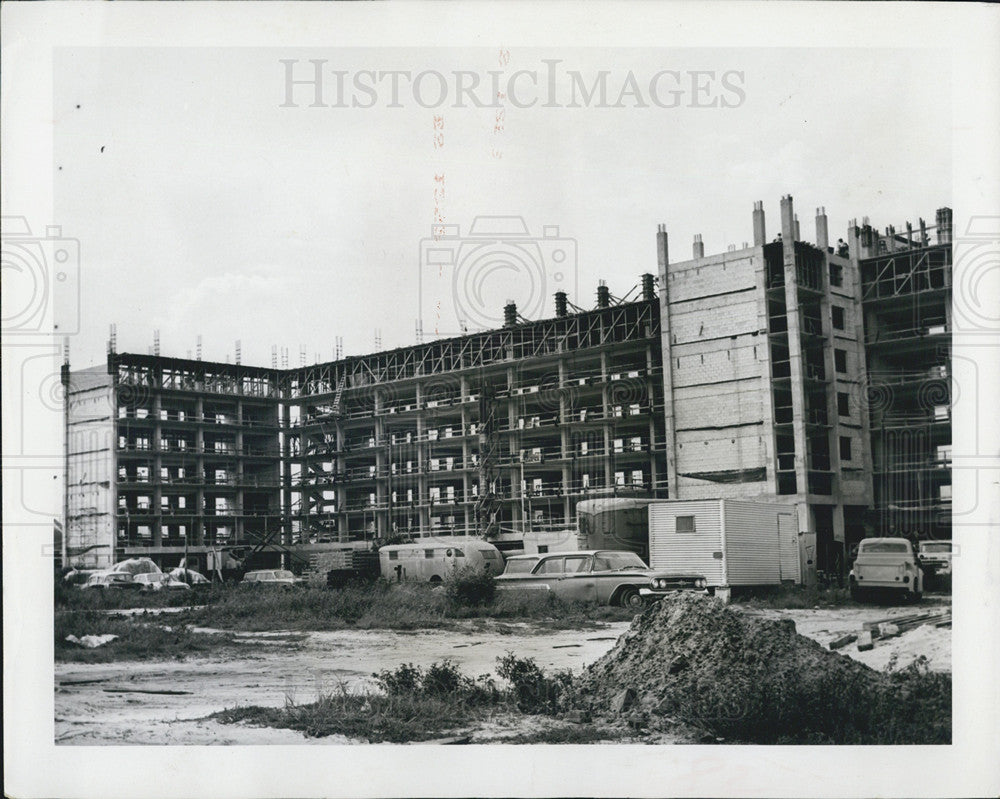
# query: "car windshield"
[617,561]
[881,547]
[520,566]
[939,547]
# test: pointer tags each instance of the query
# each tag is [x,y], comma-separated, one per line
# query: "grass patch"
[67,597]
[382,605]
[799,597]
[370,717]
[414,704]
[137,640]
[793,597]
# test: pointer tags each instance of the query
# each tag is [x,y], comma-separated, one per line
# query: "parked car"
[159,582]
[189,577]
[521,564]
[886,564]
[78,577]
[935,557]
[608,577]
[112,580]
[281,577]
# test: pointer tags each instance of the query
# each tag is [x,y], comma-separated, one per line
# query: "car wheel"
[630,598]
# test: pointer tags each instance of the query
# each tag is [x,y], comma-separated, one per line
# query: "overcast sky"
[203,206]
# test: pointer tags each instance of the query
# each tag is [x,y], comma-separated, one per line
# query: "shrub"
[441,681]
[470,587]
[533,690]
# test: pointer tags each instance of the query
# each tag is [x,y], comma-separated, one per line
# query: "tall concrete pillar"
[663,259]
[795,357]
[944,225]
[699,246]
[822,232]
[759,232]
[854,240]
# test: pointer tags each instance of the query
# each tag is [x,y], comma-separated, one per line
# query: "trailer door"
[788,536]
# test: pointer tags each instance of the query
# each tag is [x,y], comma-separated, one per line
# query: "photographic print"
[377,378]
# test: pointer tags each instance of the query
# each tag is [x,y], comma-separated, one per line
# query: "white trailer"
[730,542]
[432,559]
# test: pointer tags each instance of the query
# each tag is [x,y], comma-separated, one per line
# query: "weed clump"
[470,587]
[440,681]
[533,690]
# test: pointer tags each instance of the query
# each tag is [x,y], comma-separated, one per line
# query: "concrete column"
[564,445]
[822,231]
[609,475]
[699,246]
[868,239]
[382,526]
[423,511]
[650,390]
[199,467]
[663,259]
[944,225]
[155,482]
[759,231]
[339,466]
[794,345]
[240,505]
[854,241]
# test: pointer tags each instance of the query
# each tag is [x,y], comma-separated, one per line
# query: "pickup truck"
[886,564]
[935,557]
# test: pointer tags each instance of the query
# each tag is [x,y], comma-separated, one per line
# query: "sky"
[211,197]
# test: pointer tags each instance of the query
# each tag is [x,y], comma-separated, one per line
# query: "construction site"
[791,370]
[765,425]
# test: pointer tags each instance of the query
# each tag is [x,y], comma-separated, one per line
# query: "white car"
[281,577]
[112,580]
[160,582]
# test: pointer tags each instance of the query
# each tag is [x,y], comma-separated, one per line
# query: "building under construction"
[814,374]
[783,369]
[497,434]
[906,285]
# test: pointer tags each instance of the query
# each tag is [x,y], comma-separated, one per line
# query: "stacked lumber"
[892,626]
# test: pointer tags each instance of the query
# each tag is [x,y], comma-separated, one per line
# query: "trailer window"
[685,524]
[428,553]
[393,554]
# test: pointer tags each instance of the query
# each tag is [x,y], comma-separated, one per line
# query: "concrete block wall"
[719,375]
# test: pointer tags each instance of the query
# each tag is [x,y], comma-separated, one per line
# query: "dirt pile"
[693,659]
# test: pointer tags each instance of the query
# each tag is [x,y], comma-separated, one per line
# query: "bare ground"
[115,703]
